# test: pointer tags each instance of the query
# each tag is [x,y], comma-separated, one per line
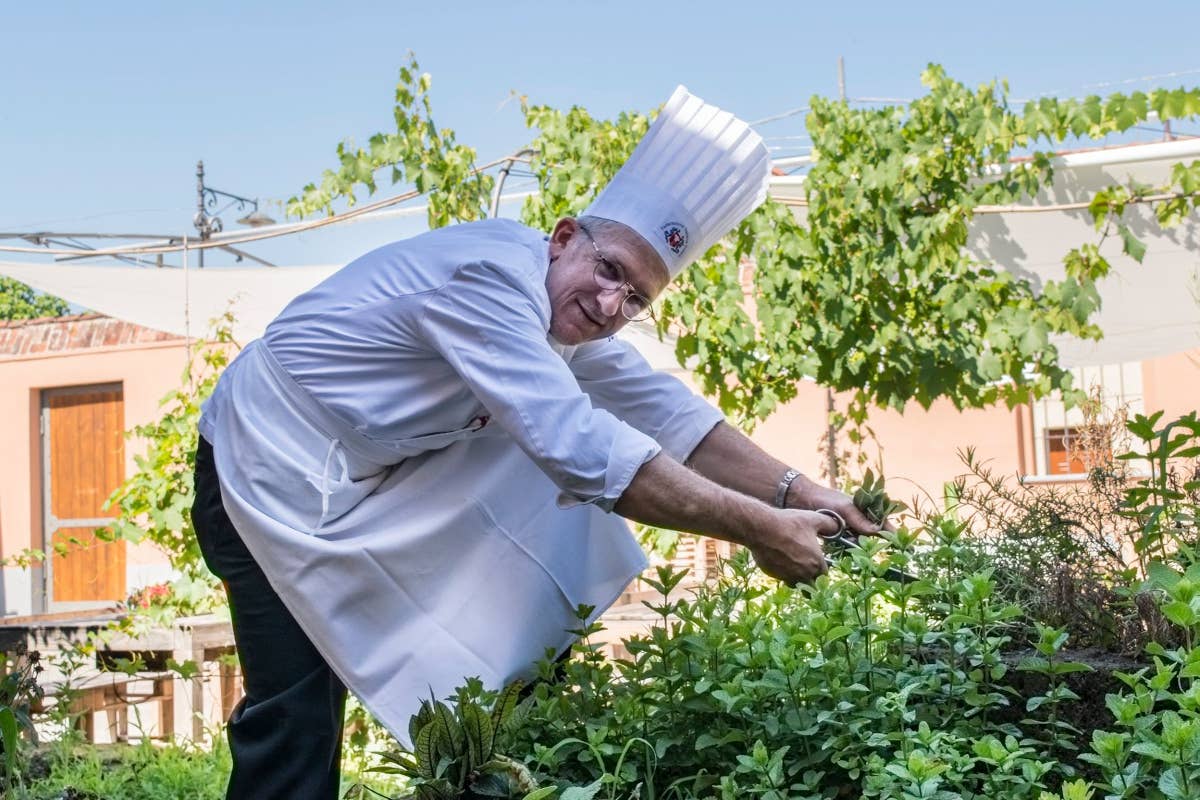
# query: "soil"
[1089,713]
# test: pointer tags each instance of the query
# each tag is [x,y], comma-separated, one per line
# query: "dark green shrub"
[856,686]
[19,690]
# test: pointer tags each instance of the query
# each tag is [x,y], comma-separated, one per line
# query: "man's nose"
[610,302]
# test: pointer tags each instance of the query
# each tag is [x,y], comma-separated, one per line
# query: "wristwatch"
[785,483]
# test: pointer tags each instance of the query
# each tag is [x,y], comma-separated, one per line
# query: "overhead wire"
[1018,209]
[249,236]
[1176,74]
[282,230]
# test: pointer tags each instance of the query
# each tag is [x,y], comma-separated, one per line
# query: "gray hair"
[605,226]
[614,229]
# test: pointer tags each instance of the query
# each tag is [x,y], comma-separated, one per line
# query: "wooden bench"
[112,694]
[206,698]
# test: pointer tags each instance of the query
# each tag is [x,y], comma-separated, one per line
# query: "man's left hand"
[804,494]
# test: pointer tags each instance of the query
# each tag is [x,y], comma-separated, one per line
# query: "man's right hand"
[789,547]
[784,541]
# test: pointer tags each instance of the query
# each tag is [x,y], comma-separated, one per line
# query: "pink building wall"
[1172,383]
[50,354]
[919,448]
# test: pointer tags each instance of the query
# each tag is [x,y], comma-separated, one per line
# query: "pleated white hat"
[696,174]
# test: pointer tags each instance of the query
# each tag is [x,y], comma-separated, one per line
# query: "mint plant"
[454,752]
[1154,751]
[872,499]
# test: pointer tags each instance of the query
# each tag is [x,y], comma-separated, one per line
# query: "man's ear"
[564,231]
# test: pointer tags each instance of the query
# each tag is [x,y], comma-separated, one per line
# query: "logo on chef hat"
[676,237]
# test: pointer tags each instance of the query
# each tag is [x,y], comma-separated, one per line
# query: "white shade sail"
[1149,309]
[171,299]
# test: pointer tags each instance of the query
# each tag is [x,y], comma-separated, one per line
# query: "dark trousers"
[286,733]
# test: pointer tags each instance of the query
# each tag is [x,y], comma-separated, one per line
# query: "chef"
[424,466]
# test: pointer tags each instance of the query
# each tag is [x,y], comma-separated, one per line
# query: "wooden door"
[83,461]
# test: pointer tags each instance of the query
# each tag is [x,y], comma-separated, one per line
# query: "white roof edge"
[1118,154]
[1177,150]
[1131,154]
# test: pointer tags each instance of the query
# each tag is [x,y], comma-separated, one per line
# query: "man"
[409,479]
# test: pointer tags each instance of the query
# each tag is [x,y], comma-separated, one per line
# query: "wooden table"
[201,640]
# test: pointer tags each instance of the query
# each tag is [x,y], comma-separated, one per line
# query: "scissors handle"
[843,540]
[836,517]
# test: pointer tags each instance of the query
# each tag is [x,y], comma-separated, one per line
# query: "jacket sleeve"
[617,378]
[489,322]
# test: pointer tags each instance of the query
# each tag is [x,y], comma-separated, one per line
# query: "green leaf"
[1180,613]
[10,736]
[186,670]
[425,752]
[1133,247]
[1159,574]
[1171,784]
[1155,751]
[491,784]
[1068,667]
[479,733]
[582,792]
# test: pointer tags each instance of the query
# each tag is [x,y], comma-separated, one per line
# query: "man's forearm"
[728,457]
[785,543]
[666,494]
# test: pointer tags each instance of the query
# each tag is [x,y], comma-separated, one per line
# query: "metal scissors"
[842,539]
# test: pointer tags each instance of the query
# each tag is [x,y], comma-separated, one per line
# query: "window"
[1062,443]
[1060,456]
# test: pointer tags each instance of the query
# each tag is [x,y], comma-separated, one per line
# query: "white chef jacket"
[392,450]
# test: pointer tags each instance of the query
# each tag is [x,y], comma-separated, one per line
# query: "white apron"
[409,579]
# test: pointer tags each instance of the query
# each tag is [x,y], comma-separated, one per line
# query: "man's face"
[580,309]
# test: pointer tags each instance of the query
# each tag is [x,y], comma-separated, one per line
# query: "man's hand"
[805,494]
[727,457]
[789,547]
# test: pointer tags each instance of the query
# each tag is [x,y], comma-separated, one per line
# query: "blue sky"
[106,107]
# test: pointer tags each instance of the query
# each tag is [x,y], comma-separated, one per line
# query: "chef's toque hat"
[696,174]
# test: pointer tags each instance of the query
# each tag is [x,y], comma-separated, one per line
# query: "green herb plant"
[752,688]
[154,504]
[454,752]
[1154,750]
[19,690]
[872,499]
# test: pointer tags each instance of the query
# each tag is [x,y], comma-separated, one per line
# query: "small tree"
[21,301]
[418,152]
[875,293]
[155,502]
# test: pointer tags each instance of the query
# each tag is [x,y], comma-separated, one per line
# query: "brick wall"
[25,337]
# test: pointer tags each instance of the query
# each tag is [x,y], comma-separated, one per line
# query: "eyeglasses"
[611,278]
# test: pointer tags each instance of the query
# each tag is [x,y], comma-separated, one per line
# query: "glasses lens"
[635,308]
[607,275]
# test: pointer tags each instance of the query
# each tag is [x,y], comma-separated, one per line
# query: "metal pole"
[201,217]
[830,404]
[831,439]
[504,170]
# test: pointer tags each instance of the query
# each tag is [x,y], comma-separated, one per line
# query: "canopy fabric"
[1149,309]
[171,299]
[184,303]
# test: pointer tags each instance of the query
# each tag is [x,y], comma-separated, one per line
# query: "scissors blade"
[846,542]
